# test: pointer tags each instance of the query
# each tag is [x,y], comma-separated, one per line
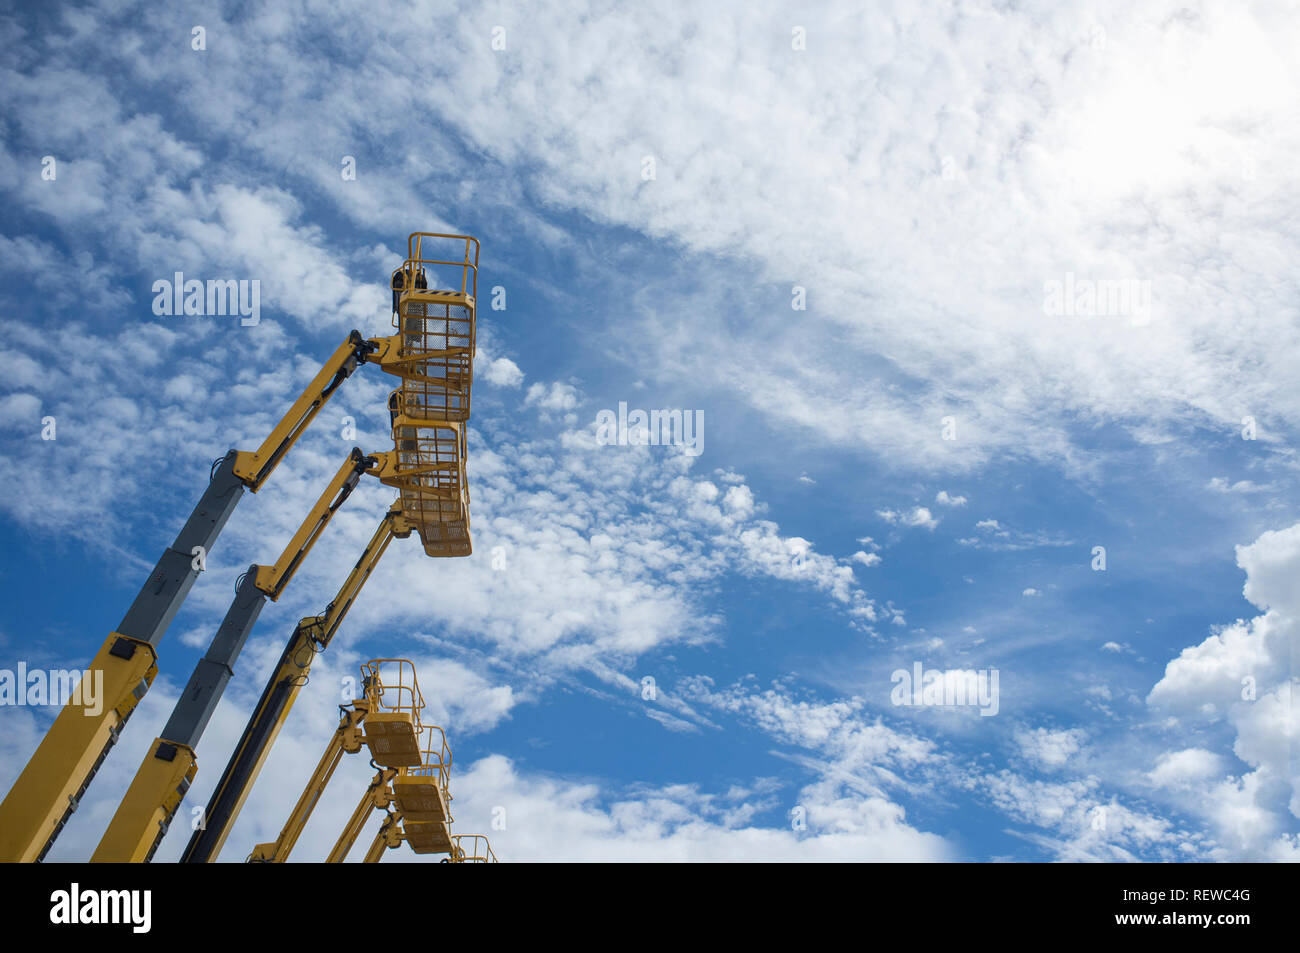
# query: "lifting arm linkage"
[379,794]
[58,774]
[388,836]
[345,740]
[169,768]
[312,635]
[254,468]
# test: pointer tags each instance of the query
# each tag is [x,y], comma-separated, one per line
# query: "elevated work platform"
[435,294]
[393,723]
[423,797]
[434,301]
[428,469]
[428,838]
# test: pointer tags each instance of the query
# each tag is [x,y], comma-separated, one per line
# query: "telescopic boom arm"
[169,768]
[63,766]
[386,720]
[312,636]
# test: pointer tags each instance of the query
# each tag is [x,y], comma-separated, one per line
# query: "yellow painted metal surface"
[422,795]
[433,353]
[388,837]
[273,579]
[144,814]
[392,740]
[254,467]
[428,838]
[393,725]
[71,750]
[472,849]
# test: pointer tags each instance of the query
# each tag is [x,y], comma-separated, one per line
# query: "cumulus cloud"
[549,819]
[558,397]
[1190,766]
[1240,678]
[503,372]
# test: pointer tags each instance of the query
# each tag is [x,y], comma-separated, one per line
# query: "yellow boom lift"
[433,354]
[311,637]
[419,807]
[435,362]
[58,774]
[386,721]
[169,767]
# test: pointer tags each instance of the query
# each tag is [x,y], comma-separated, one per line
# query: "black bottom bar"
[821,905]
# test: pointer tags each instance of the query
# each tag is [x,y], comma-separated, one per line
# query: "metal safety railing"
[391,686]
[437,758]
[423,269]
[472,849]
[436,357]
[430,471]
[434,301]
[436,324]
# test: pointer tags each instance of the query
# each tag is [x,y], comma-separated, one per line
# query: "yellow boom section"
[312,635]
[254,468]
[55,779]
[434,303]
[387,722]
[168,770]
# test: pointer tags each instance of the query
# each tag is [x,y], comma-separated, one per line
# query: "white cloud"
[1239,677]
[943,499]
[1191,765]
[550,819]
[945,198]
[1050,748]
[1220,485]
[20,412]
[672,722]
[503,372]
[558,397]
[1088,826]
[917,516]
[992,535]
[854,750]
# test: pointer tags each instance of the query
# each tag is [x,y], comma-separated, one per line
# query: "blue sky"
[924,176]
